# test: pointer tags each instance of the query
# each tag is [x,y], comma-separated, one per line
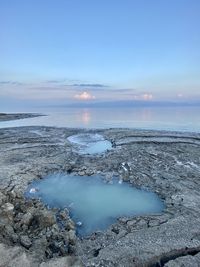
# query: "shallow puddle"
[89,143]
[94,204]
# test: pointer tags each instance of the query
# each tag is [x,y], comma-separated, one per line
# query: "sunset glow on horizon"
[84,96]
[99,51]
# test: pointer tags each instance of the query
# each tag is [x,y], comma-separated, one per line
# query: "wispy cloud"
[89,85]
[55,81]
[48,88]
[10,83]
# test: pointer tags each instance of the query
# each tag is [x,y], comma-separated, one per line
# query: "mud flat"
[167,163]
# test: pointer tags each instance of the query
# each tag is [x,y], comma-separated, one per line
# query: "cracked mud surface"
[167,163]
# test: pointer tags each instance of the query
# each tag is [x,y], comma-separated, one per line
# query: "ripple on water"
[94,204]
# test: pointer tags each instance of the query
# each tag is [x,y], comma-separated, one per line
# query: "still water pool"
[93,203]
[88,143]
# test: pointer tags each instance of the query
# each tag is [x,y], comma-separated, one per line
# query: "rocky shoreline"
[167,163]
[17,116]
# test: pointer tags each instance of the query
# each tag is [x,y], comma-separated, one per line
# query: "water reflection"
[86,117]
[158,118]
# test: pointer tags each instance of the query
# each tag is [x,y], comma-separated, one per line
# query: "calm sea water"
[166,118]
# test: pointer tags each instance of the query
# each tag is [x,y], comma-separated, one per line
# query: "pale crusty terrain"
[167,163]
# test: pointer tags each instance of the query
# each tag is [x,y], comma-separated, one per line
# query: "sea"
[175,118]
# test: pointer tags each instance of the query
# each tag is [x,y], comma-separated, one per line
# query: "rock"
[121,234]
[7,207]
[115,229]
[14,257]
[12,194]
[89,172]
[14,237]
[55,247]
[81,173]
[39,246]
[72,237]
[9,229]
[21,261]
[2,198]
[6,213]
[131,223]
[44,218]
[64,214]
[185,261]
[123,220]
[27,218]
[70,224]
[25,241]
[63,262]
[54,230]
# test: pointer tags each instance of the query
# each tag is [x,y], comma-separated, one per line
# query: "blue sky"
[65,51]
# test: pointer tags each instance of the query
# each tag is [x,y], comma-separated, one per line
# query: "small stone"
[115,229]
[25,241]
[131,223]
[121,234]
[6,213]
[70,225]
[123,220]
[141,223]
[27,218]
[81,173]
[12,194]
[9,230]
[2,198]
[14,237]
[45,218]
[72,237]
[63,215]
[8,207]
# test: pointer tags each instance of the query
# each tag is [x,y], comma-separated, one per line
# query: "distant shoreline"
[18,116]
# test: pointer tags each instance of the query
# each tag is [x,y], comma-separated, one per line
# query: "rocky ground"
[167,163]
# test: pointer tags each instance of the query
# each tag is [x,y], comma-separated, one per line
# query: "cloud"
[10,83]
[89,85]
[84,96]
[55,81]
[145,97]
[180,95]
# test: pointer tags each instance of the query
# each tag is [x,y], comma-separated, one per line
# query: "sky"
[75,51]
